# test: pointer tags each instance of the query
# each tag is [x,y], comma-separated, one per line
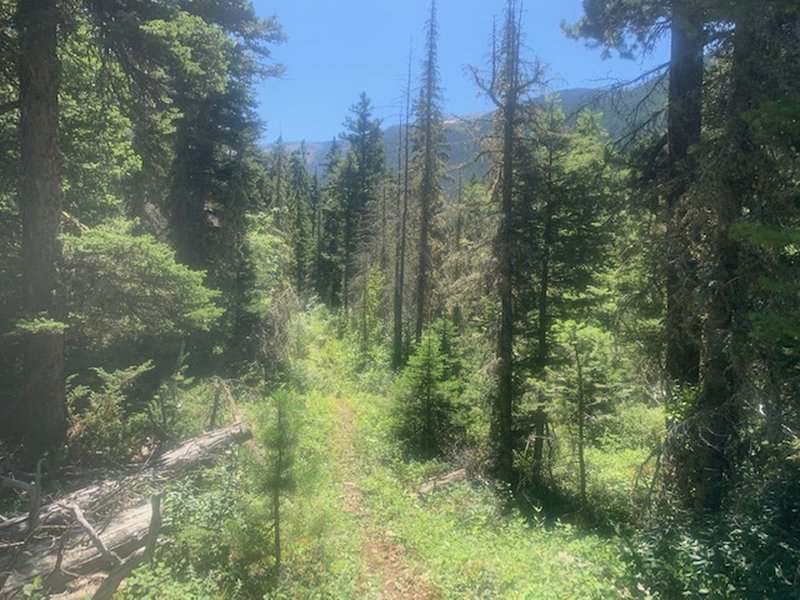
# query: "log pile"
[88,541]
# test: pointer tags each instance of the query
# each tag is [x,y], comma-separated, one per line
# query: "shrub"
[100,430]
[427,398]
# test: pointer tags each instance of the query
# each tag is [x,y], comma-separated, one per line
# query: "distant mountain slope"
[622,111]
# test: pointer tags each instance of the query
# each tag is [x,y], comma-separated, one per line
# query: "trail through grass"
[457,542]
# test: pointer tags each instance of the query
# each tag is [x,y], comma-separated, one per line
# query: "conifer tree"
[300,208]
[507,87]
[147,42]
[366,160]
[631,27]
[401,219]
[428,163]
[40,199]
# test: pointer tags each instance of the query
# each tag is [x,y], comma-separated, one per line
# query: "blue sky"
[339,48]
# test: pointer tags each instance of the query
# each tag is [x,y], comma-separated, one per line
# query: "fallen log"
[442,482]
[66,545]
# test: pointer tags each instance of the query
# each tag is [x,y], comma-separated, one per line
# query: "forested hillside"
[546,351]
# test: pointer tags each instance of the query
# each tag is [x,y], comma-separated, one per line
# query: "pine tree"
[401,218]
[428,164]
[362,189]
[507,87]
[300,209]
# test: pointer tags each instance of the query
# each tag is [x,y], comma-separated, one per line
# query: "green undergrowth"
[468,544]
[461,539]
[220,521]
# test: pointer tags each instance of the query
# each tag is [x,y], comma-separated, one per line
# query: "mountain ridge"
[621,111]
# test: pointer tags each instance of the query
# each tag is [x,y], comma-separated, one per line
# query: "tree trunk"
[716,409]
[430,171]
[40,200]
[581,423]
[400,267]
[504,253]
[683,131]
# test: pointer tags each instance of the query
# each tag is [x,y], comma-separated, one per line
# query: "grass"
[461,538]
[462,541]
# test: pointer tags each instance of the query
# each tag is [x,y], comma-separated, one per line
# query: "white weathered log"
[126,567]
[442,482]
[127,528]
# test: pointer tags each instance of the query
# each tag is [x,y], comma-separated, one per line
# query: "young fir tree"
[429,388]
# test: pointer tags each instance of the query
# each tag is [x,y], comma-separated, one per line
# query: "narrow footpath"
[385,556]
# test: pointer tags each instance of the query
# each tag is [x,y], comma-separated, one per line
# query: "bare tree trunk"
[504,251]
[684,118]
[400,265]
[430,171]
[581,423]
[40,200]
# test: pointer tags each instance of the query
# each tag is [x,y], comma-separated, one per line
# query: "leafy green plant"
[122,286]
[100,427]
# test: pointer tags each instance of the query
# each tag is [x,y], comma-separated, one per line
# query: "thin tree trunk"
[400,266]
[581,423]
[276,493]
[40,200]
[428,184]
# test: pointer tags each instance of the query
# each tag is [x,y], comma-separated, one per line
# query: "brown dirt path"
[385,555]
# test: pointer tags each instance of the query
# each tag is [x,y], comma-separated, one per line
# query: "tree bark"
[40,200]
[716,412]
[684,119]
[400,265]
[504,249]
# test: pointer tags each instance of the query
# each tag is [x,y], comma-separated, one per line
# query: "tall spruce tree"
[401,219]
[361,186]
[508,87]
[428,166]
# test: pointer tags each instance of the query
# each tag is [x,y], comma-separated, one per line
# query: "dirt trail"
[385,555]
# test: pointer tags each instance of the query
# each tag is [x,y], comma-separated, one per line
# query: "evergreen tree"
[630,28]
[507,87]
[429,390]
[155,74]
[40,203]
[300,208]
[330,272]
[364,189]
[401,230]
[428,163]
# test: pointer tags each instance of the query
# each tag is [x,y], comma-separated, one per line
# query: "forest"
[558,357]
